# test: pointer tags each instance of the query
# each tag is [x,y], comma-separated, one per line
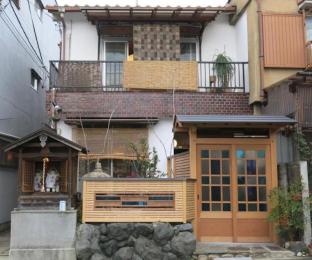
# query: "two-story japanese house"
[180,78]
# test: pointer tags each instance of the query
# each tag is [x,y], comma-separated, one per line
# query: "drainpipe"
[62,12]
[261,48]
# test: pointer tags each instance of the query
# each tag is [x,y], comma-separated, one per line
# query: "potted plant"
[223,69]
[145,163]
[287,211]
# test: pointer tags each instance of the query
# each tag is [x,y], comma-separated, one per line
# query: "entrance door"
[233,184]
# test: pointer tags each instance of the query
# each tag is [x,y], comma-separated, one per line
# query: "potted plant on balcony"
[223,70]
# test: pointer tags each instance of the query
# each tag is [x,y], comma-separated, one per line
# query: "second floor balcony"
[203,76]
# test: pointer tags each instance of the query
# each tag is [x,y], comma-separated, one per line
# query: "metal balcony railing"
[108,76]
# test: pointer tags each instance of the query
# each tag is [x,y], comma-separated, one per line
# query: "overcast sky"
[144,2]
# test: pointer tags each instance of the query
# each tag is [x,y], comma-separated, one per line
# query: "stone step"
[210,251]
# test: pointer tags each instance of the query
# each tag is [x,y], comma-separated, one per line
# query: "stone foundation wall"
[135,241]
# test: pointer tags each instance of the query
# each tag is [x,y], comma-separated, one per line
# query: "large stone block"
[43,234]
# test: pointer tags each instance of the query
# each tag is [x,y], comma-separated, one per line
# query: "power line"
[33,25]
[19,41]
[20,24]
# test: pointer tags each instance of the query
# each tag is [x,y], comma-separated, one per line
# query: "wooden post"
[193,174]
[70,173]
[20,171]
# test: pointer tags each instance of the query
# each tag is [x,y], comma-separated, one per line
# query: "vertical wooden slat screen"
[28,172]
[64,175]
[283,40]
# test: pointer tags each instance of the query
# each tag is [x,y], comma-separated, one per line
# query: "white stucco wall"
[81,38]
[219,36]
[160,136]
[64,130]
[8,193]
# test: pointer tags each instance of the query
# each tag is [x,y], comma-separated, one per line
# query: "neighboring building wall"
[22,108]
[156,41]
[271,75]
[8,193]
[160,136]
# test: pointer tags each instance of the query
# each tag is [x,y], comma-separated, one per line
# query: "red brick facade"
[149,104]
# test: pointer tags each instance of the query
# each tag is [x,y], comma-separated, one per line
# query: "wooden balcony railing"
[138,200]
[147,75]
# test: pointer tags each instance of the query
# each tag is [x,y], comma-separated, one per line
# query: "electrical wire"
[21,26]
[40,64]
[19,41]
[34,29]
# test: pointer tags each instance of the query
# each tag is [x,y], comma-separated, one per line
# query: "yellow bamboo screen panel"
[181,165]
[182,209]
[117,141]
[160,75]
[283,40]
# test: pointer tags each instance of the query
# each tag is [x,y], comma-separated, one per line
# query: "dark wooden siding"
[304,115]
[280,101]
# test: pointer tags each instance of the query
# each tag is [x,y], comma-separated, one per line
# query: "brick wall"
[149,104]
[156,42]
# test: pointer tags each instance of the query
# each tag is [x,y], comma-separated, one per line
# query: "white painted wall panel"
[81,38]
[160,136]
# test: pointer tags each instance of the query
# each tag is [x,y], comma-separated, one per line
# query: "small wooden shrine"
[47,169]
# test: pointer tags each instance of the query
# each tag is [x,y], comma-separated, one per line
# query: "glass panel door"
[114,54]
[251,180]
[215,180]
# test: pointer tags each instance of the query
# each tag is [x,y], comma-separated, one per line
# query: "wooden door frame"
[195,143]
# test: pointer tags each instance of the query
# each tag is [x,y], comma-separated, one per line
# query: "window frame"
[191,40]
[35,80]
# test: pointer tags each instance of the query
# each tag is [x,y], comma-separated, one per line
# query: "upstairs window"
[188,51]
[39,8]
[35,79]
[17,3]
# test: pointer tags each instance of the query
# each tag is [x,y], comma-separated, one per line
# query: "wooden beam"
[39,155]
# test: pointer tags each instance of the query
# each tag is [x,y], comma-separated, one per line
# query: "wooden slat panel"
[283,40]
[28,173]
[180,212]
[181,75]
[182,165]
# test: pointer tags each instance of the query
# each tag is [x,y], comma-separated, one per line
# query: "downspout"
[62,12]
[261,48]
